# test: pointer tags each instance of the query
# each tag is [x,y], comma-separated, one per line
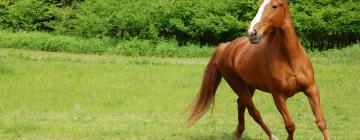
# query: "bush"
[320,24]
[28,15]
[327,24]
[201,21]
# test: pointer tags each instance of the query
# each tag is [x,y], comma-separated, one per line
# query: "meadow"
[46,95]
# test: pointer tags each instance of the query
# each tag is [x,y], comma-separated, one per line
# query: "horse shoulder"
[296,75]
[282,77]
[305,73]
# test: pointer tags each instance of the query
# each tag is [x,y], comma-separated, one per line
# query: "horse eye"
[274,6]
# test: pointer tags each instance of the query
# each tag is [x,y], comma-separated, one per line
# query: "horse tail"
[206,95]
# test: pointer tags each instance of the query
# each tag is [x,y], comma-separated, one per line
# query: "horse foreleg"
[314,98]
[280,103]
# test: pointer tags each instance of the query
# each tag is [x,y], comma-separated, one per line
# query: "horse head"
[272,14]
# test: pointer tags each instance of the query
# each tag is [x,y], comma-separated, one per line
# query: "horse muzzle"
[254,37]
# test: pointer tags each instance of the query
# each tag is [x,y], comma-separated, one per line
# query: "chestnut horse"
[270,59]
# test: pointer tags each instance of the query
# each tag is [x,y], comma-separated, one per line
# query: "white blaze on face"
[258,15]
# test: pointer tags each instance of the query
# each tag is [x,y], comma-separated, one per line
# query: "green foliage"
[28,15]
[327,24]
[206,21]
[321,24]
[188,21]
[62,3]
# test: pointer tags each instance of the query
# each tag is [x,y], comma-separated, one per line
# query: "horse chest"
[285,82]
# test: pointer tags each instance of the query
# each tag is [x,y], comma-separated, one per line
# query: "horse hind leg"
[245,101]
[255,114]
[241,121]
[241,116]
[234,83]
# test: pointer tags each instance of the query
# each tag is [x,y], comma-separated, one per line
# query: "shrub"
[28,15]
[327,24]
[200,21]
[321,24]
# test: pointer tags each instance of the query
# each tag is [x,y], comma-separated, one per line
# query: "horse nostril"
[254,37]
[254,33]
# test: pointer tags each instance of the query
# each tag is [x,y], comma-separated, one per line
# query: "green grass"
[72,96]
[42,41]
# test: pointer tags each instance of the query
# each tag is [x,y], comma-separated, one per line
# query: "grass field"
[71,96]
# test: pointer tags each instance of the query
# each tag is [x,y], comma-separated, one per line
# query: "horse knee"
[290,128]
[240,129]
[253,112]
[321,124]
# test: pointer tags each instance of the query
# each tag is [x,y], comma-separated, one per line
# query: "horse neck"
[288,42]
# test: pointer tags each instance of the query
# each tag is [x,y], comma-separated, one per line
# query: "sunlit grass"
[71,96]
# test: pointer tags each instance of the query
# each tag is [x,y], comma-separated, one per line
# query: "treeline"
[321,24]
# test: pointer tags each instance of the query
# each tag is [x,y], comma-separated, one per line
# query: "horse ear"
[280,2]
[285,2]
[277,3]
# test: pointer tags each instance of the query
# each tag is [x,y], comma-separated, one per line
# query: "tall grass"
[53,43]
[162,48]
[133,47]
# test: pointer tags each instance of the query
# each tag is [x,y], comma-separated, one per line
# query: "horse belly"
[255,79]
[287,86]
[272,82]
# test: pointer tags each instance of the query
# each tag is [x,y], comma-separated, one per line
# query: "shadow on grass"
[217,136]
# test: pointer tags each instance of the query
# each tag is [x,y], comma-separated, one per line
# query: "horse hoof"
[236,136]
[273,137]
